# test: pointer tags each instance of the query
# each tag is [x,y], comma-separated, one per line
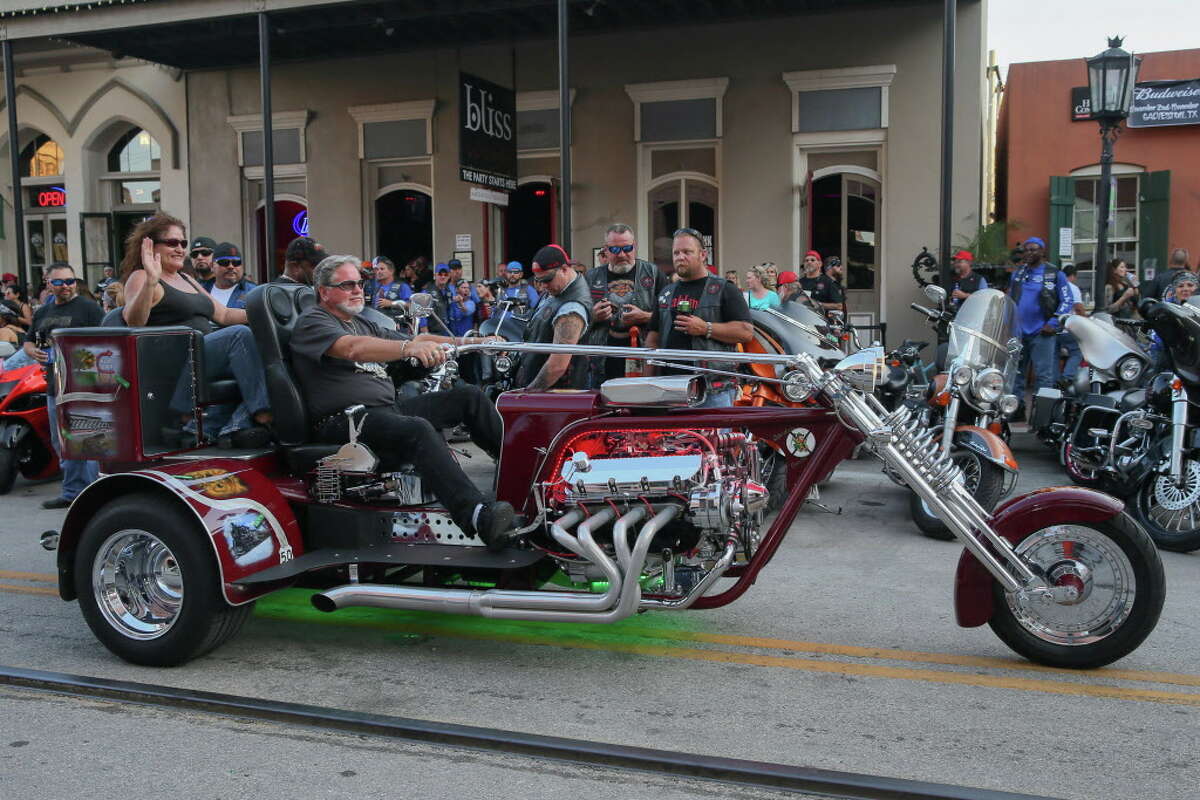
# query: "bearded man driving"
[624,290]
[339,359]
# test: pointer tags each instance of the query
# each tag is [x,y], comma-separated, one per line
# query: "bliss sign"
[487,133]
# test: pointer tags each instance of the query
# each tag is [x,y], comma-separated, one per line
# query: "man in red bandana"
[825,291]
[560,318]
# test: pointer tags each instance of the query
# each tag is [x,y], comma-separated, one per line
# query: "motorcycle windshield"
[980,333]
[1179,330]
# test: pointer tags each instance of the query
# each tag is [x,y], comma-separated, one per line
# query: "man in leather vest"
[624,292]
[561,318]
[701,312]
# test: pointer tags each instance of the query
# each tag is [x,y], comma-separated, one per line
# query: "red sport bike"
[633,496]
[25,446]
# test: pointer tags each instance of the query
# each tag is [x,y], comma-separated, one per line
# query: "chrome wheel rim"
[1175,509]
[971,470]
[1094,578]
[1073,466]
[137,584]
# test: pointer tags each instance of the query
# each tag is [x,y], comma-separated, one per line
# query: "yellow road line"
[8,587]
[40,577]
[806,664]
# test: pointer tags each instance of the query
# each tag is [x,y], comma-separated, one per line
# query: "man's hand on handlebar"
[429,354]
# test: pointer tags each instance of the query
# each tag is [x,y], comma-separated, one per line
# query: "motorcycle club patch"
[800,442]
[648,281]
[621,289]
[713,288]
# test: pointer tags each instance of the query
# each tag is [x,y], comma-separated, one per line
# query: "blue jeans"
[1041,351]
[230,353]
[17,360]
[1074,357]
[76,475]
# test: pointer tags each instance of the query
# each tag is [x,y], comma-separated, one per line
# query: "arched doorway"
[846,223]
[291,220]
[682,200]
[530,220]
[404,224]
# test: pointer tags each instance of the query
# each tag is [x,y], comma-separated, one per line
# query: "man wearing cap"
[561,318]
[229,284]
[623,294]
[443,296]
[1041,293]
[823,290]
[517,288]
[789,285]
[390,293]
[109,277]
[966,281]
[701,311]
[202,257]
[299,260]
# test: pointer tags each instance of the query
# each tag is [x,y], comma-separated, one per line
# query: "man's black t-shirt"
[332,384]
[822,289]
[78,312]
[733,309]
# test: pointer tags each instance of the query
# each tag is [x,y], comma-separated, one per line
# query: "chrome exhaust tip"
[49,540]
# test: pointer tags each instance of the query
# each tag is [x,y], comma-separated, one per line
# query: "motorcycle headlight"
[962,375]
[502,364]
[1008,404]
[1129,369]
[795,387]
[989,385]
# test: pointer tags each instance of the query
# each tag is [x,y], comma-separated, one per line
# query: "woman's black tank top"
[194,310]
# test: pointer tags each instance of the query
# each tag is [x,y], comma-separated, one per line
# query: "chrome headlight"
[1129,369]
[1008,404]
[989,385]
[502,364]
[962,375]
[795,388]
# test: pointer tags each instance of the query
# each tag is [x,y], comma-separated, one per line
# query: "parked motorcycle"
[969,403]
[25,445]
[1115,366]
[509,318]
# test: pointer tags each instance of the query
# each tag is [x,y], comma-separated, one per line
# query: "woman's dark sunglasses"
[180,243]
[614,249]
[63,282]
[228,262]
[348,286]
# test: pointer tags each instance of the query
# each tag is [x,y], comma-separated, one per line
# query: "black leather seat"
[273,309]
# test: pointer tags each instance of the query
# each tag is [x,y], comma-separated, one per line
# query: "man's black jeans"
[397,438]
[462,405]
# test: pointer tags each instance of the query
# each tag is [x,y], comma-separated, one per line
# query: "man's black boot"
[494,526]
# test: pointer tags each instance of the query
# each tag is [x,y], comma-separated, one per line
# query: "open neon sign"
[50,197]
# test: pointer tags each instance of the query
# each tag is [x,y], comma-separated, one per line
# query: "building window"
[538,126]
[840,109]
[1123,221]
[136,151]
[287,138]
[676,203]
[133,172]
[42,158]
[674,111]
[394,130]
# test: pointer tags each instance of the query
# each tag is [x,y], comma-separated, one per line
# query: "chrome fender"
[986,444]
[1014,520]
[245,518]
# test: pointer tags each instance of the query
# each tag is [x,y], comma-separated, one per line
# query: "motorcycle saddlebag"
[1044,404]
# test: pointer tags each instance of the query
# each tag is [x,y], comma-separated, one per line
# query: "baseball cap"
[1036,240]
[813,253]
[454,263]
[227,250]
[442,267]
[8,277]
[515,266]
[304,248]
[963,255]
[548,259]
[787,276]
[203,243]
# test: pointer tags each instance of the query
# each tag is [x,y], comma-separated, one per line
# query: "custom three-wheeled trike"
[642,499]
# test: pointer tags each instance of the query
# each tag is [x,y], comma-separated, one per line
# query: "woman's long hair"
[1114,280]
[153,227]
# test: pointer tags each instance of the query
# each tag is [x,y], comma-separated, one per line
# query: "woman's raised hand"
[151,261]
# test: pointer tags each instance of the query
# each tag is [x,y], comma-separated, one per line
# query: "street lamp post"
[1111,78]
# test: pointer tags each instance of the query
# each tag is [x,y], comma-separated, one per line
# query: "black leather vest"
[541,330]
[708,310]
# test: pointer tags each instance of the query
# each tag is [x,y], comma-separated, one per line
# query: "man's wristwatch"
[708,332]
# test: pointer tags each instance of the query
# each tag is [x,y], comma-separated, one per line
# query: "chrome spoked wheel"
[1170,512]
[983,479]
[137,584]
[1094,579]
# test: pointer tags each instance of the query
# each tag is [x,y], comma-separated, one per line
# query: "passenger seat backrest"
[273,309]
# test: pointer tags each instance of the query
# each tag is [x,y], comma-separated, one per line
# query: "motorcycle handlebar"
[929,312]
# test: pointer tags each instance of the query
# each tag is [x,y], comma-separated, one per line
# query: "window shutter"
[1062,214]
[1154,215]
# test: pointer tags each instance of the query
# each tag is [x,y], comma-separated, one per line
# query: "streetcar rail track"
[758,774]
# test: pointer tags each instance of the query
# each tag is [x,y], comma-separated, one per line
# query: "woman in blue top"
[461,310]
[758,295]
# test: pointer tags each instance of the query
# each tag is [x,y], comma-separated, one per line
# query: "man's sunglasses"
[229,262]
[63,282]
[348,286]
[614,249]
[545,277]
[199,253]
[180,243]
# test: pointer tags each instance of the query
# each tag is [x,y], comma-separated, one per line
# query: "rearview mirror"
[935,293]
[421,304]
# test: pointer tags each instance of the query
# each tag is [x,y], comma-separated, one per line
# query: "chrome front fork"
[950,423]
[1179,412]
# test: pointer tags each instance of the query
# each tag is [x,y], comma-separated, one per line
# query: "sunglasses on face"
[173,243]
[544,277]
[614,249]
[63,282]
[200,253]
[229,262]
[348,286]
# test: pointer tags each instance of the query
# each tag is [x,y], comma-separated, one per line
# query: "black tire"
[1144,505]
[988,490]
[774,471]
[8,469]
[204,620]
[1149,592]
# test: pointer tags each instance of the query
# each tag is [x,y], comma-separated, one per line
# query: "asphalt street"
[844,655]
